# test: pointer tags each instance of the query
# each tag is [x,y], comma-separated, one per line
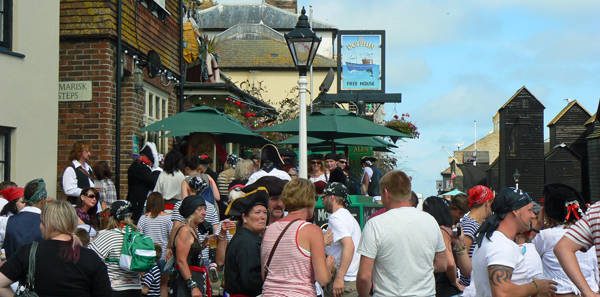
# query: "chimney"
[289,5]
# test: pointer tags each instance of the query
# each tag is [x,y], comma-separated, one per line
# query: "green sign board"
[355,153]
[136,144]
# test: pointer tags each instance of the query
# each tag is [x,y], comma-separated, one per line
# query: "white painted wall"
[29,92]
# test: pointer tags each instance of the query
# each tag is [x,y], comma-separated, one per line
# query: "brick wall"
[95,121]
[290,5]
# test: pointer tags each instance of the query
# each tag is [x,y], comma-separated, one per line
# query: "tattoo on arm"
[499,274]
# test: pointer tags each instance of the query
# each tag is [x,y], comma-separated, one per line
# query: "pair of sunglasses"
[91,196]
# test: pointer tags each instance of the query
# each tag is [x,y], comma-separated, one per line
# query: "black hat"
[342,156]
[312,157]
[121,209]
[147,151]
[562,203]
[242,204]
[270,152]
[189,205]
[286,152]
[331,156]
[368,158]
[204,159]
[273,185]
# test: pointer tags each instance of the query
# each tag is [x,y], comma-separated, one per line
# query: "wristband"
[191,283]
[535,230]
[222,237]
[536,286]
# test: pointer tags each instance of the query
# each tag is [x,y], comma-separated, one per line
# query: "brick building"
[89,51]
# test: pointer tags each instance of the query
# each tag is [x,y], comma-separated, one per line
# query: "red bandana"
[479,194]
[12,193]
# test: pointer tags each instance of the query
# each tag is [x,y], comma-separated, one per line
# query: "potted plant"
[404,125]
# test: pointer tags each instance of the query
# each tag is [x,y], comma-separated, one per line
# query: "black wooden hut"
[594,165]
[563,165]
[522,143]
[568,129]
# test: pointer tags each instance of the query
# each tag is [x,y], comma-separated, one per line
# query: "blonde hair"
[398,185]
[242,169]
[112,223]
[60,216]
[78,148]
[190,220]
[298,193]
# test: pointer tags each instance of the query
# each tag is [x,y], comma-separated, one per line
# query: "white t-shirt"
[343,224]
[533,261]
[403,242]
[498,250]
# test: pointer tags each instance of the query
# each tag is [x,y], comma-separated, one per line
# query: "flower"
[396,116]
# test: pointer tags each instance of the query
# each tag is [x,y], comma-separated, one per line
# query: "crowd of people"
[249,231]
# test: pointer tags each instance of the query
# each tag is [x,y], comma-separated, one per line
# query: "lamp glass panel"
[303,50]
[313,51]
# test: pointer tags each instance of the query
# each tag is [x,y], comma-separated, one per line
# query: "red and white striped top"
[586,232]
[291,270]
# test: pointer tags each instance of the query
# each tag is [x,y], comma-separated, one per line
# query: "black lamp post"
[516,176]
[303,44]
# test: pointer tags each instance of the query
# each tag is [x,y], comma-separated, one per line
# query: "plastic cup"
[212,242]
[232,230]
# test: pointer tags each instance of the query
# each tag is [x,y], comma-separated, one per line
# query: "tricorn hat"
[270,152]
[313,157]
[242,204]
[368,158]
[204,159]
[331,156]
[272,184]
[120,209]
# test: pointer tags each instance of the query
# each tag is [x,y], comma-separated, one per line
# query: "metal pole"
[302,146]
[118,98]
[310,12]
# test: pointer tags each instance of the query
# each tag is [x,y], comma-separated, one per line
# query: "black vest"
[374,189]
[83,181]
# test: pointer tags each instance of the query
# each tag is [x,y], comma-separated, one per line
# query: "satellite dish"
[154,63]
[326,84]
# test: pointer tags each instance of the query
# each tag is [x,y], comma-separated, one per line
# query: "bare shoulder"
[311,230]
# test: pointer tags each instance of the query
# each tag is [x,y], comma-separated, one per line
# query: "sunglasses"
[315,163]
[343,162]
[91,196]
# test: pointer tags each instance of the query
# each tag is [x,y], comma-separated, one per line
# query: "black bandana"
[507,200]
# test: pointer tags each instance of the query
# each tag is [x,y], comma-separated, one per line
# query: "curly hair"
[78,148]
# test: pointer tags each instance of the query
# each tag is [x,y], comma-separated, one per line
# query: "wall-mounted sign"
[74,91]
[136,144]
[361,61]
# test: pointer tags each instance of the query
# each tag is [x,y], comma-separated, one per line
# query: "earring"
[244,221]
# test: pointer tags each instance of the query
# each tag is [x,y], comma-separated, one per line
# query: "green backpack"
[137,253]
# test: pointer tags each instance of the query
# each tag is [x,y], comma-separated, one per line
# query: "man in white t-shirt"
[401,248]
[346,236]
[499,267]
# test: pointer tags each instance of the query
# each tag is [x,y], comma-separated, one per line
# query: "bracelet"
[461,252]
[222,237]
[191,283]
[461,249]
[535,230]
[536,286]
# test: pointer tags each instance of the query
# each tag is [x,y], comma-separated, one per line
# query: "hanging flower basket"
[402,124]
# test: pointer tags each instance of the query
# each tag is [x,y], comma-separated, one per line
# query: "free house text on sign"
[75,90]
[361,62]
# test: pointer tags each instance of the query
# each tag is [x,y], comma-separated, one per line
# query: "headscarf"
[12,193]
[198,184]
[479,194]
[563,203]
[232,159]
[507,200]
[339,190]
[39,194]
[121,209]
[190,204]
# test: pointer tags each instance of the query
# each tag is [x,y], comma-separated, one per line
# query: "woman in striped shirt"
[108,245]
[157,224]
[299,258]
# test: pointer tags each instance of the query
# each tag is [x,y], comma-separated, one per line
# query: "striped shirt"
[586,232]
[470,228]
[158,229]
[290,270]
[108,245]
[151,280]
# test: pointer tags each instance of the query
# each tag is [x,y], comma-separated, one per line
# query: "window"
[5,23]
[156,109]
[5,153]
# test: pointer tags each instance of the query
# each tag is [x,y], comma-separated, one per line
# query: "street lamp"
[303,44]
[516,176]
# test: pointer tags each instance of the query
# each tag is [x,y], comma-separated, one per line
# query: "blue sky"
[459,61]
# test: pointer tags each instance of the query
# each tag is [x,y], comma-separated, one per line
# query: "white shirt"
[544,243]
[369,172]
[274,172]
[533,261]
[69,182]
[3,202]
[498,250]
[403,242]
[169,185]
[342,225]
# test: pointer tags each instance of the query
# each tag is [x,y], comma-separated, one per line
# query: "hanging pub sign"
[361,61]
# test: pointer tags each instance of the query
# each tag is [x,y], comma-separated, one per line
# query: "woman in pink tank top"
[299,258]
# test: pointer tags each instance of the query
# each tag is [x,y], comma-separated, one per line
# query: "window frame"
[5,159]
[158,112]
[6,12]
